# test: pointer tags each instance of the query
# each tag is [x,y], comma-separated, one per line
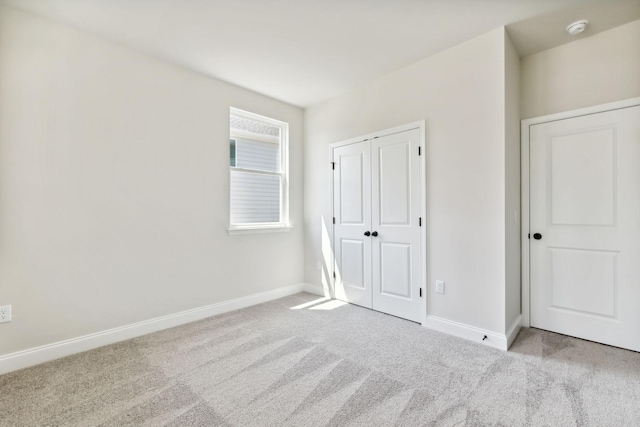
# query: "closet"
[378,222]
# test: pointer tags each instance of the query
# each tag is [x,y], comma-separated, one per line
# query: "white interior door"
[585,227]
[352,216]
[395,217]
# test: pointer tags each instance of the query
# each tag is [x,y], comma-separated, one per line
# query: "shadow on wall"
[327,260]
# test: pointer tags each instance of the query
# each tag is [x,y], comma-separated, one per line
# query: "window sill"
[259,229]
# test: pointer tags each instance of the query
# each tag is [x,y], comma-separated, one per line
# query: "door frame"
[420,124]
[525,181]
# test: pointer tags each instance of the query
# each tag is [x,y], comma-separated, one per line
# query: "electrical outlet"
[440,286]
[318,265]
[5,313]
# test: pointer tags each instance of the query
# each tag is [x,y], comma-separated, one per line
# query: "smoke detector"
[577,27]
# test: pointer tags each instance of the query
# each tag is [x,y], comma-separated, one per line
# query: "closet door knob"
[366,233]
[537,236]
[374,234]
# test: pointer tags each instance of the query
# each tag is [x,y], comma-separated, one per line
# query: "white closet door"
[585,227]
[395,216]
[352,211]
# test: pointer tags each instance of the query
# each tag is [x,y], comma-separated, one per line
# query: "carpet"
[307,361]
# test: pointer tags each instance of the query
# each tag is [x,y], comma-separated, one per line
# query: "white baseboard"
[46,353]
[468,332]
[314,289]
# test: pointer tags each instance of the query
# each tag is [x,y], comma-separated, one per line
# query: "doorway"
[581,223]
[379,221]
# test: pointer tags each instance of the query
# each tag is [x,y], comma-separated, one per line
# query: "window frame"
[283,225]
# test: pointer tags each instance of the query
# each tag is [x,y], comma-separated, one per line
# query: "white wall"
[461,94]
[114,186]
[513,283]
[590,71]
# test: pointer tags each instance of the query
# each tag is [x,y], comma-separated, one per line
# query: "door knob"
[537,236]
[366,233]
[374,234]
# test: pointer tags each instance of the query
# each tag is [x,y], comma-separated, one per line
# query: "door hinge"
[334,274]
[333,165]
[529,236]
[420,292]
[420,222]
[419,151]
[334,219]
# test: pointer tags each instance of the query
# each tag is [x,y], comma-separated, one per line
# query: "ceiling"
[306,51]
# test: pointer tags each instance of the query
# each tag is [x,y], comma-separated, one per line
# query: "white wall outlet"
[318,265]
[5,313]
[440,286]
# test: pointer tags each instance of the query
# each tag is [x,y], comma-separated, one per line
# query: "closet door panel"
[395,268]
[394,196]
[395,199]
[352,210]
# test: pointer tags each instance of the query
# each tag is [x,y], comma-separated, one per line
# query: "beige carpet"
[326,364]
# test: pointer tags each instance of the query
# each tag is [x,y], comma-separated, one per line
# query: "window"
[258,149]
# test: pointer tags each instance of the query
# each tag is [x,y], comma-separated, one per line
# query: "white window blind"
[258,190]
